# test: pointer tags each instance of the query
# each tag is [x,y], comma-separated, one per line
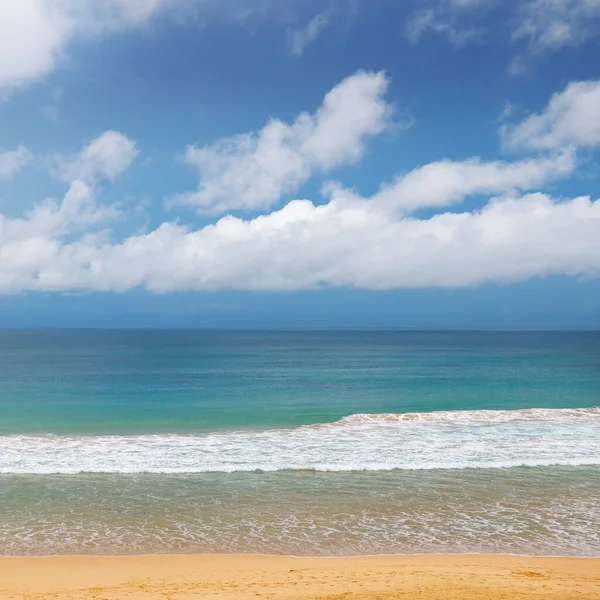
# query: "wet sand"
[187,577]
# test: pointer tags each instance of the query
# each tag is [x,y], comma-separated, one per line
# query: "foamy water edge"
[362,442]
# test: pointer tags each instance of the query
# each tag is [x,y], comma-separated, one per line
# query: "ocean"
[308,443]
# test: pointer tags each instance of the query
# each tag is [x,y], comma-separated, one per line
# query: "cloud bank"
[378,242]
[303,246]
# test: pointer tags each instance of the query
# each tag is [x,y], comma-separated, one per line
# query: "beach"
[173,465]
[299,300]
[184,577]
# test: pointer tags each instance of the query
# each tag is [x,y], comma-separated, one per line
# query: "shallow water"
[518,510]
[307,443]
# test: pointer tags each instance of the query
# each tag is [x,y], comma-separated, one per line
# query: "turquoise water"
[300,442]
[188,381]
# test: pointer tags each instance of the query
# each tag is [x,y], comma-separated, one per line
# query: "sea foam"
[362,442]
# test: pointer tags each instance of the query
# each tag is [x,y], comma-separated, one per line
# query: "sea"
[305,443]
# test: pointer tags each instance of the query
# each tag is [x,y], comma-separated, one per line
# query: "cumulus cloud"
[446,182]
[253,170]
[572,117]
[350,241]
[35,33]
[50,219]
[299,39]
[32,247]
[303,246]
[379,242]
[106,157]
[13,161]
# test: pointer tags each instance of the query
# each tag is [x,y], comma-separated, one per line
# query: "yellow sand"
[188,577]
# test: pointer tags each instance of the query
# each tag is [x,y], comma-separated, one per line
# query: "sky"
[300,163]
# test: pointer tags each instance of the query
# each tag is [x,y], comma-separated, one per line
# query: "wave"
[361,442]
[473,416]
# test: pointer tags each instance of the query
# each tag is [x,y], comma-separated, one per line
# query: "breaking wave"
[361,442]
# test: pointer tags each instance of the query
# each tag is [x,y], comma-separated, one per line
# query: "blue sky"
[428,163]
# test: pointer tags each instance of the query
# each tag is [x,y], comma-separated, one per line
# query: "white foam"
[442,440]
[474,416]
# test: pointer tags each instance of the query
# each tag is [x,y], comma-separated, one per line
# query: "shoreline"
[301,557]
[243,576]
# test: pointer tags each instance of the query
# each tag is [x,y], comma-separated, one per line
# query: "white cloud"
[13,161]
[536,27]
[100,16]
[299,39]
[106,157]
[32,250]
[454,19]
[448,182]
[252,171]
[349,241]
[303,246]
[554,24]
[50,219]
[31,247]
[545,26]
[430,20]
[35,33]
[420,22]
[572,117]
[31,38]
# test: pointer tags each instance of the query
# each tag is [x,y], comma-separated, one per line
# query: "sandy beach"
[184,577]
